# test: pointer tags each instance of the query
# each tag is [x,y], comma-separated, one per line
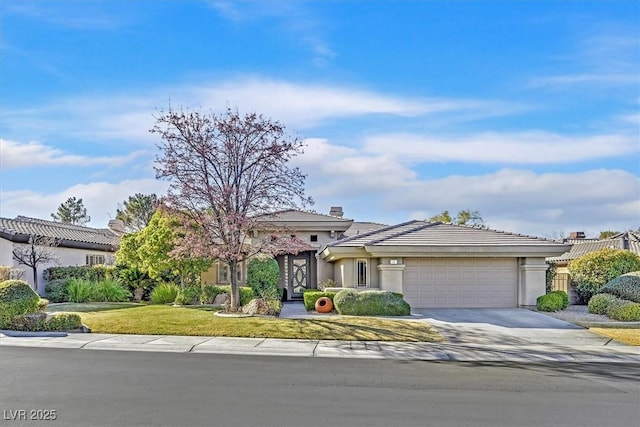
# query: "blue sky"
[526,111]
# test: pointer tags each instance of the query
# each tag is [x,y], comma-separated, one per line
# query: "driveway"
[507,326]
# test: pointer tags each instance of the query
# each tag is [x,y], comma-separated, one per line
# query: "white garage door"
[460,282]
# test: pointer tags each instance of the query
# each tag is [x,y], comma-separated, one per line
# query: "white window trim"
[366,273]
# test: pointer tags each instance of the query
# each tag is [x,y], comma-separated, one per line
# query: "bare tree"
[224,171]
[39,250]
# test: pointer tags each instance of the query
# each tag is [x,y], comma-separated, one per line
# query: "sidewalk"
[467,352]
[468,342]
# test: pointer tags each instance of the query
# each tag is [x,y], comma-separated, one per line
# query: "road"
[118,388]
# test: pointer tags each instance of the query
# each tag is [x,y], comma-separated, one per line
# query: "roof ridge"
[368,233]
[308,211]
[510,233]
[425,224]
[22,218]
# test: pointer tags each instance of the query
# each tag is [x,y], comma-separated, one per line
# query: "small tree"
[591,271]
[263,274]
[153,250]
[224,171]
[607,234]
[136,212]
[464,217]
[39,250]
[72,211]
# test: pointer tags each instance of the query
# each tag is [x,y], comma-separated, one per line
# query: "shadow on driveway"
[505,317]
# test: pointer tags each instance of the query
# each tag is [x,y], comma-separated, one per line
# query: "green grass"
[167,320]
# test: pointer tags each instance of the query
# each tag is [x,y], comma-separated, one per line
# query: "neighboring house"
[432,264]
[77,245]
[627,240]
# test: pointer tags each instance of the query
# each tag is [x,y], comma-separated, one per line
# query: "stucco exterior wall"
[65,257]
[532,280]
[344,270]
[6,249]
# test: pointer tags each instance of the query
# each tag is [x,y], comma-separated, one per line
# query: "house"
[432,264]
[76,245]
[298,271]
[581,245]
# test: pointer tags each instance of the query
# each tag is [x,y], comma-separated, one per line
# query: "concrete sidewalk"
[515,335]
[468,352]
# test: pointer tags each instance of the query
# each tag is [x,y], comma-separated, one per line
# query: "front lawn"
[625,335]
[167,320]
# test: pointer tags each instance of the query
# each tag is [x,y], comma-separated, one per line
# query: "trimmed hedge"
[36,322]
[549,302]
[627,311]
[626,287]
[16,299]
[370,303]
[311,296]
[56,290]
[63,322]
[615,308]
[599,303]
[564,296]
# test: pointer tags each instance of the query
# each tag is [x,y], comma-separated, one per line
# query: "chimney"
[116,226]
[576,235]
[336,211]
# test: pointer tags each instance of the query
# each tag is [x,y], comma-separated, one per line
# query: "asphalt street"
[124,388]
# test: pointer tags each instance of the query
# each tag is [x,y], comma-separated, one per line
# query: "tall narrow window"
[361,273]
[223,273]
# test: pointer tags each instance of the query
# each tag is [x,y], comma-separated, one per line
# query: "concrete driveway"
[507,326]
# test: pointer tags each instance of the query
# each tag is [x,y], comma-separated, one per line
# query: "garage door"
[460,282]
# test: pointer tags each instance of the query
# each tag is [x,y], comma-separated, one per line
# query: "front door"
[298,275]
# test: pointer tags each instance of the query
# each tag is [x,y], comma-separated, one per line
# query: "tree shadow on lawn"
[71,307]
[373,330]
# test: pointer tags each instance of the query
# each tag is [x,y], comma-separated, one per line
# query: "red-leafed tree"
[225,170]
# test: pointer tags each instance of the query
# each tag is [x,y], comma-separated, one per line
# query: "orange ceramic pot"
[324,305]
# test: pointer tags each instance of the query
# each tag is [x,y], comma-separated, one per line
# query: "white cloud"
[586,78]
[532,147]
[373,187]
[100,198]
[119,117]
[19,155]
[599,61]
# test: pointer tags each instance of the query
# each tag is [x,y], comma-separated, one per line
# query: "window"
[95,259]
[361,273]
[223,273]
[314,237]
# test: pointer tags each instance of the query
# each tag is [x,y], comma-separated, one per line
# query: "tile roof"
[628,240]
[20,228]
[300,215]
[359,227]
[423,233]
